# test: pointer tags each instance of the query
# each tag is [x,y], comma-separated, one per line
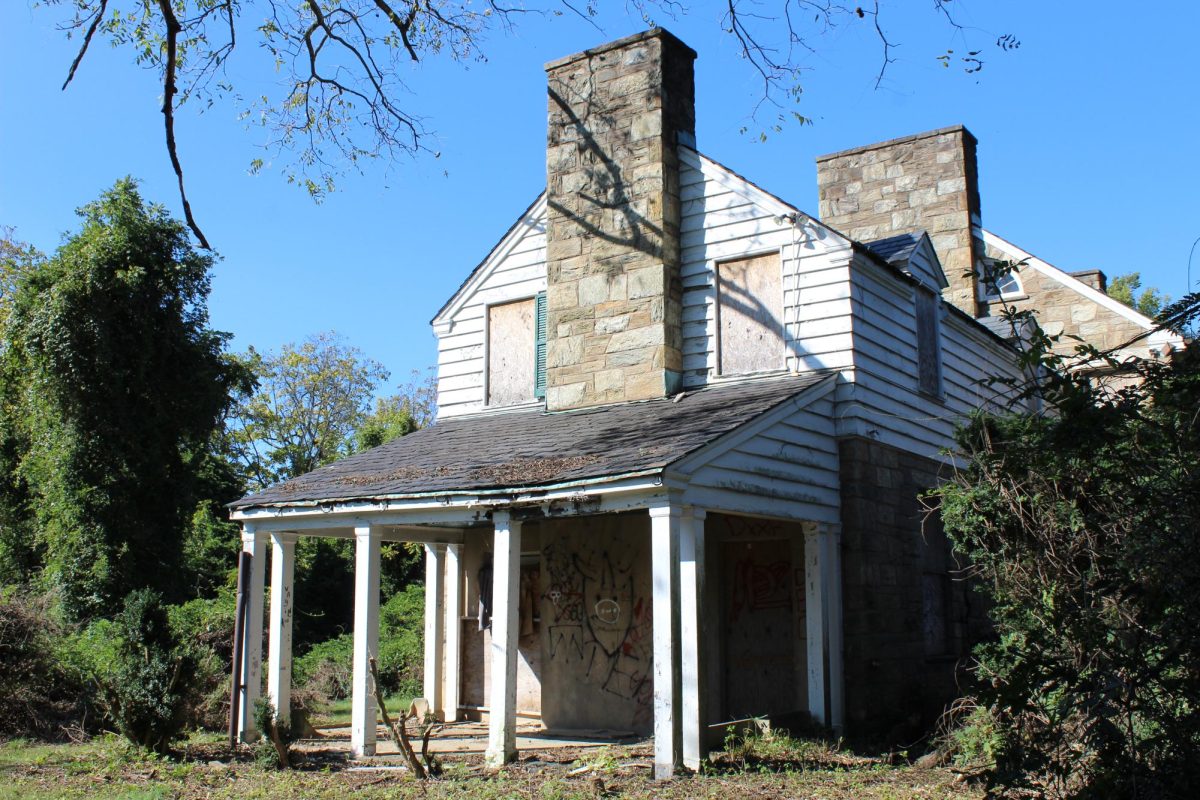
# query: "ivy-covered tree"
[1082,524]
[112,386]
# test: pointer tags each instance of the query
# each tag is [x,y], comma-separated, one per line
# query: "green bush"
[204,629]
[146,692]
[325,670]
[1083,525]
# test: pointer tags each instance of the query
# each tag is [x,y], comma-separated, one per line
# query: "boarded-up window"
[929,343]
[750,315]
[510,368]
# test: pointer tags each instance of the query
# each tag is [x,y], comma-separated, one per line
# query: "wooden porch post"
[815,621]
[664,549]
[366,639]
[435,556]
[502,702]
[451,642]
[255,544]
[691,629]
[279,664]
[823,595]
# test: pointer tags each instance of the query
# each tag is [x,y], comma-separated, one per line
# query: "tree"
[17,259]
[112,386]
[400,414]
[342,63]
[1082,524]
[311,399]
[1125,288]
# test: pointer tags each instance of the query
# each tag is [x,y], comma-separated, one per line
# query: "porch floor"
[471,738]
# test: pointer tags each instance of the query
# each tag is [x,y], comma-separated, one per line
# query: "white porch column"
[255,544]
[691,630]
[451,642]
[279,664]
[815,622]
[366,639]
[664,556]
[502,701]
[823,595]
[435,557]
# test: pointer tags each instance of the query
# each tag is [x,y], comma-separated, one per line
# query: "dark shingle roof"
[897,249]
[533,448]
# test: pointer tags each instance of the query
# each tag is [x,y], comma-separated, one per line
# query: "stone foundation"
[910,620]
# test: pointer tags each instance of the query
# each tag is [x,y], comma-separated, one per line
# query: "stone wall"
[1061,309]
[614,290]
[924,182]
[909,622]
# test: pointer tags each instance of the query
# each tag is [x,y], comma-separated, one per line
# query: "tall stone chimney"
[614,294]
[924,182]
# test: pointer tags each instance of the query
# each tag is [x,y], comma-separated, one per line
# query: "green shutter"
[539,347]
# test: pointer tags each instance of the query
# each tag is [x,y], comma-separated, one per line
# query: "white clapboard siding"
[884,403]
[515,270]
[788,469]
[723,218]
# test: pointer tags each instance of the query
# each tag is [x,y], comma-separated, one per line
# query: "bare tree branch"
[96,19]
[168,109]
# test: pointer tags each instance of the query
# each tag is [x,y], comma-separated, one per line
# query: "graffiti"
[760,587]
[599,621]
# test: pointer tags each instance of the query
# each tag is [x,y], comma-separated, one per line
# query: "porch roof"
[522,449]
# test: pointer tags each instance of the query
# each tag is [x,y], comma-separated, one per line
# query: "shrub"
[204,629]
[146,691]
[1084,526]
[40,696]
[325,670]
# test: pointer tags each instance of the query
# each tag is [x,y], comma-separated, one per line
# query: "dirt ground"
[107,768]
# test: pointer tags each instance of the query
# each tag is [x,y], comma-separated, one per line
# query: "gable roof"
[1154,337]
[896,249]
[489,452]
[530,219]
[912,253]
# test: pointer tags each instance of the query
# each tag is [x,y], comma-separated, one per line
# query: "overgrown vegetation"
[1082,524]
[124,428]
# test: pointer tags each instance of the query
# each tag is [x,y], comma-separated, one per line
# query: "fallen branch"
[396,729]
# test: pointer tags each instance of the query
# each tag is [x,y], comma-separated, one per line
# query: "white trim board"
[527,223]
[1051,271]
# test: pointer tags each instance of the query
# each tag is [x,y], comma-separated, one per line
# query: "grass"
[107,768]
[338,712]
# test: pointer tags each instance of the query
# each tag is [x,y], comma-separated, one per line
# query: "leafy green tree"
[112,386]
[413,407]
[1125,288]
[1082,524]
[311,399]
[17,259]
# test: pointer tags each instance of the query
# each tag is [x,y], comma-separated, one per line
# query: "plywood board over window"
[929,344]
[750,315]
[510,347]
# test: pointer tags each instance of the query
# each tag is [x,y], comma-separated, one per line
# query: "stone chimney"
[614,294]
[924,182]
[1094,278]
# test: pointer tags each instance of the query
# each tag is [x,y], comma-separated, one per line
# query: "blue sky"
[1087,153]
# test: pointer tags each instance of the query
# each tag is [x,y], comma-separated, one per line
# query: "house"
[682,430]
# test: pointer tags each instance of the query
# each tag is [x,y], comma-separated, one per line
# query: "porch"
[679,582]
